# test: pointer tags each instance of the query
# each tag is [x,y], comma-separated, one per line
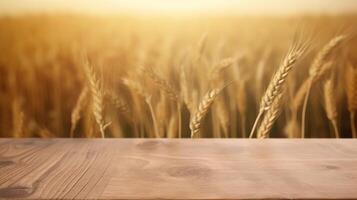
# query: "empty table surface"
[178,169]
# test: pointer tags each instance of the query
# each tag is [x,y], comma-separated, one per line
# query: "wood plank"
[178,169]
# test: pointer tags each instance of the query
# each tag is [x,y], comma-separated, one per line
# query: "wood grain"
[178,169]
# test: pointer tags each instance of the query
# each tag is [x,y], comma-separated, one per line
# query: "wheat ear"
[277,83]
[316,70]
[135,87]
[169,91]
[330,104]
[270,118]
[301,92]
[351,85]
[76,112]
[218,68]
[200,47]
[117,102]
[96,97]
[203,108]
[323,56]
[161,83]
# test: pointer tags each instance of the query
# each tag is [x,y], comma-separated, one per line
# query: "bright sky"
[180,6]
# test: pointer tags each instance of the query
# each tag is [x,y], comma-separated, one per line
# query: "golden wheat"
[153,116]
[330,104]
[76,112]
[351,85]
[218,68]
[276,84]
[223,118]
[169,91]
[203,108]
[97,95]
[270,117]
[117,102]
[299,97]
[323,56]
[17,119]
[317,69]
[161,83]
[43,76]
[242,105]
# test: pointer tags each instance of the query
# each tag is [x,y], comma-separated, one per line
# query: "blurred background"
[141,68]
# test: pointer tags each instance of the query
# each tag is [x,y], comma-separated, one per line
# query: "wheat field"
[71,75]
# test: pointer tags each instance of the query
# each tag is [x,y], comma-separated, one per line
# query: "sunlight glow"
[180,6]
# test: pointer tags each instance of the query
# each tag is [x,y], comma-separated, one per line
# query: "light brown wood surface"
[178,169]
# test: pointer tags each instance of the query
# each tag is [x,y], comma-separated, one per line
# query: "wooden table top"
[178,169]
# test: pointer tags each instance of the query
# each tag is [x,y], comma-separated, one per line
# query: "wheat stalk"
[17,119]
[172,127]
[292,127]
[316,70]
[153,116]
[351,86]
[222,114]
[276,84]
[97,94]
[169,91]
[185,95]
[76,112]
[138,89]
[242,105]
[299,97]
[330,104]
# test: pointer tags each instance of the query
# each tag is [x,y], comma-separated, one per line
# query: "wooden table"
[178,169]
